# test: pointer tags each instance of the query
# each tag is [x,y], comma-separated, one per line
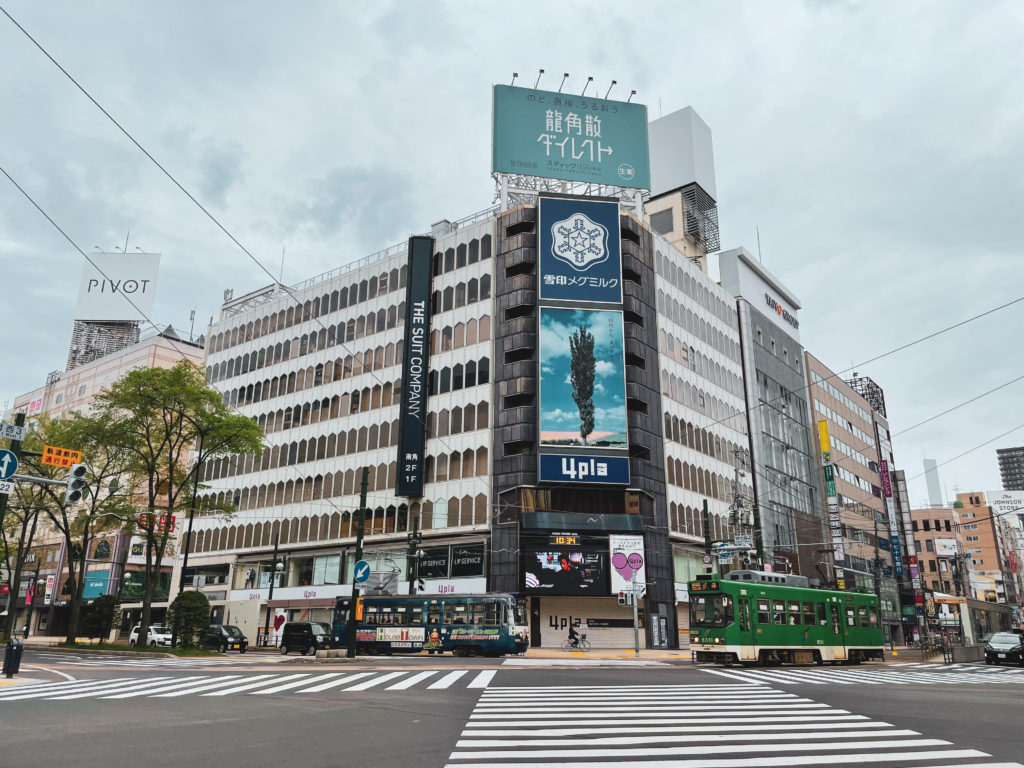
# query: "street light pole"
[34,584]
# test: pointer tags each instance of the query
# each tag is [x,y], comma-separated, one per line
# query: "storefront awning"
[565,521]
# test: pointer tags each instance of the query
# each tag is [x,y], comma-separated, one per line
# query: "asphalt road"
[426,712]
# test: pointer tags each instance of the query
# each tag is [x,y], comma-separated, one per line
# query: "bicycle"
[582,644]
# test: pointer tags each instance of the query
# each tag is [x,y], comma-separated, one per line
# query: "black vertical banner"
[413,416]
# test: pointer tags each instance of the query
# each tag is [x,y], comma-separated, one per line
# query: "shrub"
[189,618]
[99,616]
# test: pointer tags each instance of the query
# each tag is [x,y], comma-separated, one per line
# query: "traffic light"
[75,485]
[421,585]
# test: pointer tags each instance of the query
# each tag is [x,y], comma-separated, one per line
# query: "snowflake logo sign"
[579,241]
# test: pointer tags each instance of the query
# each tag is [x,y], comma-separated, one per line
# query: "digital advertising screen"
[565,572]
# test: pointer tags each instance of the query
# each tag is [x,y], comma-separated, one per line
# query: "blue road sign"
[362,571]
[8,464]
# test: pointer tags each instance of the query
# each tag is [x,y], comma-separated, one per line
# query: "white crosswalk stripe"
[963,675]
[98,660]
[212,685]
[724,725]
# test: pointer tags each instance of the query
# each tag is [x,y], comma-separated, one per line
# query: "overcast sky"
[877,147]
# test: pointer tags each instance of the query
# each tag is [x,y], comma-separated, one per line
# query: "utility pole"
[707,535]
[413,561]
[270,594]
[19,421]
[758,539]
[360,523]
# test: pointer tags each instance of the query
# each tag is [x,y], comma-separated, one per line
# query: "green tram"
[757,622]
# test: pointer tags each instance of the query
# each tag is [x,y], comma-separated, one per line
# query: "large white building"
[320,366]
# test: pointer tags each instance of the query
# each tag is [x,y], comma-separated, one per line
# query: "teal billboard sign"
[95,584]
[569,137]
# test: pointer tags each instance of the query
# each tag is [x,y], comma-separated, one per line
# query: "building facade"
[1011,468]
[786,500]
[855,430]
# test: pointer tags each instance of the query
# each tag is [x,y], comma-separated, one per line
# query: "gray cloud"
[875,147]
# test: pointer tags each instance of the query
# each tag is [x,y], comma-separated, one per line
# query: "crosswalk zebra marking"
[35,691]
[294,684]
[367,684]
[549,727]
[818,676]
[335,683]
[235,683]
[409,682]
[220,683]
[257,684]
[177,682]
[130,685]
[482,679]
[447,680]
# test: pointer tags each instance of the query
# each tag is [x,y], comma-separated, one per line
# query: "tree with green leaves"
[189,619]
[582,371]
[107,501]
[165,417]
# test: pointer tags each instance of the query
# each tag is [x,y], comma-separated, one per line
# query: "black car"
[306,637]
[226,637]
[1004,647]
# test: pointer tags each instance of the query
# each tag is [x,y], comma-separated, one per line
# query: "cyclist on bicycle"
[574,638]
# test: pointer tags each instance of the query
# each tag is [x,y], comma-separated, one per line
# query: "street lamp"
[278,570]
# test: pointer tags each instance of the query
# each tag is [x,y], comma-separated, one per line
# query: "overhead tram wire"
[146,318]
[306,313]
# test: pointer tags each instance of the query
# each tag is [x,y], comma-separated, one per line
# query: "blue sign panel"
[565,468]
[897,556]
[8,464]
[569,137]
[95,584]
[579,248]
[361,570]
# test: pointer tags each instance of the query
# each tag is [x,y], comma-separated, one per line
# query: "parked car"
[306,637]
[157,634]
[1004,646]
[226,637]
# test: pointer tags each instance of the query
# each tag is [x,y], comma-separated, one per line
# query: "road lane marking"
[447,680]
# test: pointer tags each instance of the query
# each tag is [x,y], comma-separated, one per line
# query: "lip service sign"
[115,283]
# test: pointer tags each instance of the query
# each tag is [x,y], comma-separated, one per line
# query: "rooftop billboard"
[120,287]
[569,137]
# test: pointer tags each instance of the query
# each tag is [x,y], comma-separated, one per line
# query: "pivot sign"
[361,571]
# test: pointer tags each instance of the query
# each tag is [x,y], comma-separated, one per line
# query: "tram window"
[711,611]
[794,613]
[851,618]
[460,614]
[779,607]
[822,617]
[416,617]
[744,615]
[809,614]
[370,615]
[492,613]
[862,616]
[476,613]
[384,617]
[763,615]
[401,618]
[434,614]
